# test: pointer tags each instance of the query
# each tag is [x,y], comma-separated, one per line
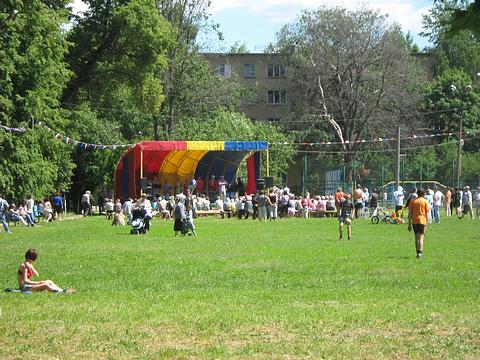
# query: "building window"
[277,97]
[225,70]
[249,70]
[276,70]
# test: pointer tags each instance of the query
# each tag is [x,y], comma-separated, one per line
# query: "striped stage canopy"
[171,161]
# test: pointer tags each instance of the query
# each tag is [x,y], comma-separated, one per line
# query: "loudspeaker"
[269,181]
[260,184]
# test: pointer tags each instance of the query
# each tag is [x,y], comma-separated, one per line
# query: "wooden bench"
[210,212]
[10,219]
[326,213]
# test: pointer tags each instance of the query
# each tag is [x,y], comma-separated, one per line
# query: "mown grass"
[244,289]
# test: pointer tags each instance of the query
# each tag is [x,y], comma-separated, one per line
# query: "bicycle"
[381,214]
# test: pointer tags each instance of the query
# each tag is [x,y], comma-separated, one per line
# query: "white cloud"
[282,11]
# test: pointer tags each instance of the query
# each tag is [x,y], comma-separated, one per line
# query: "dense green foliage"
[33,74]
[244,289]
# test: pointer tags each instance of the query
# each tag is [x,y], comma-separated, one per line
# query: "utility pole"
[459,153]
[397,172]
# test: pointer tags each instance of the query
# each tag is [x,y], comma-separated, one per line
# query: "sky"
[255,22]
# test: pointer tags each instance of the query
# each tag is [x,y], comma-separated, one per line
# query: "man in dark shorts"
[345,217]
[419,209]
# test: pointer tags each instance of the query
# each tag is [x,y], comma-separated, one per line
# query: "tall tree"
[450,99]
[32,75]
[461,51]
[351,73]
[189,85]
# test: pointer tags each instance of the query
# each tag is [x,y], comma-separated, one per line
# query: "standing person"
[222,187]
[373,201]
[101,202]
[284,200]
[144,204]
[179,216]
[429,198]
[448,200]
[58,206]
[262,206]
[346,215]
[338,200]
[26,271]
[419,209]
[358,196]
[240,187]
[476,200]
[87,203]
[467,201]
[200,184]
[437,204]
[272,205]
[4,208]
[29,207]
[457,201]
[399,196]
[212,187]
[127,209]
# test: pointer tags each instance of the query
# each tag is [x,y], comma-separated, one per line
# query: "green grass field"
[244,289]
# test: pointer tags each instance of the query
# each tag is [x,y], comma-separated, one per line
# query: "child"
[190,224]
[345,216]
[26,271]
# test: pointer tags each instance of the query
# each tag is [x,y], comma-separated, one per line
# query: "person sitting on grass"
[26,271]
[345,216]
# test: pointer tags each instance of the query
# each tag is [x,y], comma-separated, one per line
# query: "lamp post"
[453,89]
[459,153]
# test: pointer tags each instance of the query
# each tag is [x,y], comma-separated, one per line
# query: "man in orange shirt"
[417,219]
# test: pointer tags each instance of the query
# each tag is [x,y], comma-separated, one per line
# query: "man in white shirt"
[398,197]
[467,202]
[29,209]
[437,204]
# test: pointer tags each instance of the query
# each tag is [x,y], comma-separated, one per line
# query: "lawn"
[244,289]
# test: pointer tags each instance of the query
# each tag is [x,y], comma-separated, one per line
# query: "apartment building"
[265,77]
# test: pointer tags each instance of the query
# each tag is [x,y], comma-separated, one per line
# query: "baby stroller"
[138,225]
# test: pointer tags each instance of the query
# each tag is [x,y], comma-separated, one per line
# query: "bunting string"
[363,141]
[84,145]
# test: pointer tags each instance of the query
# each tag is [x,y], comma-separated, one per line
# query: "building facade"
[265,79]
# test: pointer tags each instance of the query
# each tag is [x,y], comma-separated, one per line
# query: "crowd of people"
[28,212]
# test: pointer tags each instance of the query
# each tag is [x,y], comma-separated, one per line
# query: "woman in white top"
[47,210]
